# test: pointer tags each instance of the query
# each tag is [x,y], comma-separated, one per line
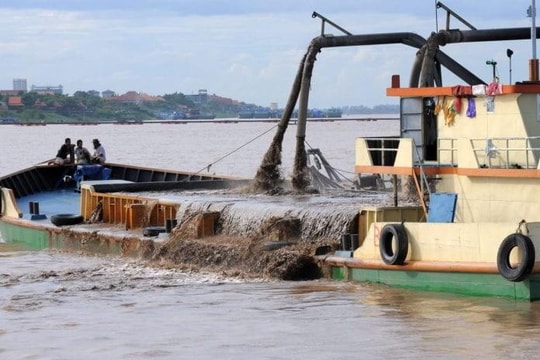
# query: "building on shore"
[20,85]
[47,89]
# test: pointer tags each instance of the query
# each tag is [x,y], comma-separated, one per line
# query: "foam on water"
[323,216]
[34,287]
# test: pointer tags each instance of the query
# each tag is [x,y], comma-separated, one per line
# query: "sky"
[247,50]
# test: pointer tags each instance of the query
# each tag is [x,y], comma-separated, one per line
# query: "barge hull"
[472,284]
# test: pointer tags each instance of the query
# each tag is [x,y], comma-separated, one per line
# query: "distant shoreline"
[293,121]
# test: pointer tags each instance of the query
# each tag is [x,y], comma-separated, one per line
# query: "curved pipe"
[425,70]
[300,175]
[268,178]
[444,37]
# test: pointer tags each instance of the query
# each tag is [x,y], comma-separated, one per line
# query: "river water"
[66,306]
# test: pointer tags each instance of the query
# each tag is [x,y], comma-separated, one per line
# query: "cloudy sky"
[248,50]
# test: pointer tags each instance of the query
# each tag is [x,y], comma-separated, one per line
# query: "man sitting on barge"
[65,151]
[99,153]
[82,155]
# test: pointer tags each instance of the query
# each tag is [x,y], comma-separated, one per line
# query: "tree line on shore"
[86,107]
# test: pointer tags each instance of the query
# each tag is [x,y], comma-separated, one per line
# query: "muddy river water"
[66,306]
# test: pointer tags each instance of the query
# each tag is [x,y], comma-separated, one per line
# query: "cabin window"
[419,122]
[430,130]
[383,151]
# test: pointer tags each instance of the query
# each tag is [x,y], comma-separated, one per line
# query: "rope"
[519,227]
[338,171]
[207,167]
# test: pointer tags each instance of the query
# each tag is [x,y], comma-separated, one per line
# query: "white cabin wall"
[504,121]
[487,199]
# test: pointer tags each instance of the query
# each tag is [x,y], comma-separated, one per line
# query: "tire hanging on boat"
[66,219]
[153,230]
[389,255]
[525,266]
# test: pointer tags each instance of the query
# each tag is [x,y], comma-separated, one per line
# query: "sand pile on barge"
[288,259]
[234,233]
[258,236]
[239,257]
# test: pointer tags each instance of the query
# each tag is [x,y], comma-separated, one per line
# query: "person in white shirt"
[82,155]
[99,153]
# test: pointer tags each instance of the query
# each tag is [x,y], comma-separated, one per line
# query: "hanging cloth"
[462,90]
[471,107]
[438,106]
[449,113]
[494,88]
[457,105]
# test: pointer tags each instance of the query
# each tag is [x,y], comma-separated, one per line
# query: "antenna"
[436,17]
[493,64]
[531,12]
[509,53]
[533,63]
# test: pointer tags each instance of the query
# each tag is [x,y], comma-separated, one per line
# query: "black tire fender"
[274,245]
[524,268]
[389,255]
[66,219]
[151,231]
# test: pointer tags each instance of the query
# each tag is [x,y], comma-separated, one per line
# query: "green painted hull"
[27,238]
[458,283]
[23,237]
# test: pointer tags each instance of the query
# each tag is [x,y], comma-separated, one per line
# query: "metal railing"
[444,146]
[507,152]
[495,152]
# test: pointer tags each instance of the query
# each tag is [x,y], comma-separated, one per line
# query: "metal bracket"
[451,12]
[326,20]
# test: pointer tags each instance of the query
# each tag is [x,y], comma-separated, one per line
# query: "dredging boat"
[477,229]
[471,153]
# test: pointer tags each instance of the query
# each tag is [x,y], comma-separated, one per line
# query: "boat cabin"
[479,142]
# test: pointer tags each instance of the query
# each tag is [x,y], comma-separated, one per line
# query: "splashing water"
[319,217]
